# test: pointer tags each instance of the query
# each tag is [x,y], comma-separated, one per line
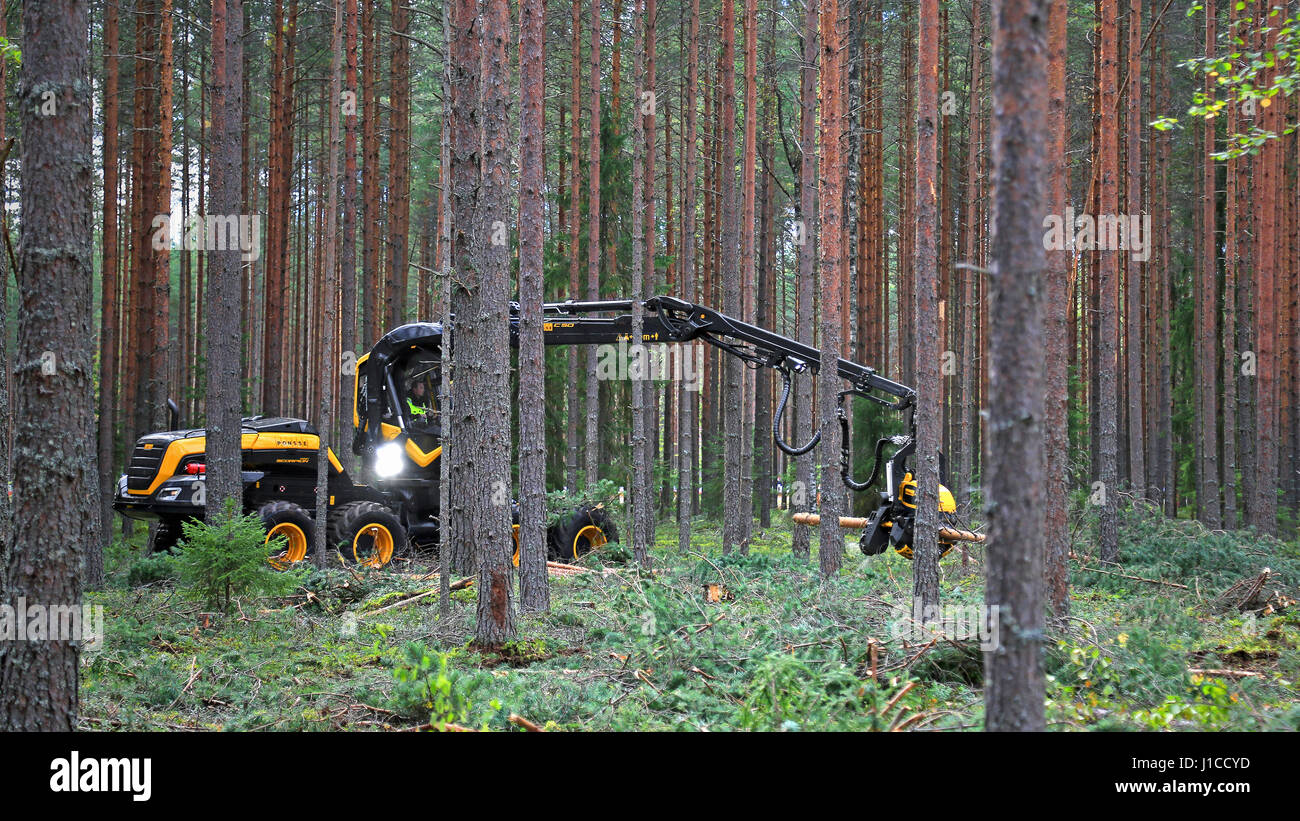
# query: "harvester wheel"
[165,535]
[294,524]
[368,533]
[586,529]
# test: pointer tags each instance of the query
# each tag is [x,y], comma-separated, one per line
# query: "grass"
[780,650]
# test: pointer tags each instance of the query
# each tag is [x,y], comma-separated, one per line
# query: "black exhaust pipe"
[173,415]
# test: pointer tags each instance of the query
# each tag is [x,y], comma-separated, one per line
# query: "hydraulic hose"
[776,422]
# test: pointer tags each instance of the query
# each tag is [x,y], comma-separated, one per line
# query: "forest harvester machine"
[397,433]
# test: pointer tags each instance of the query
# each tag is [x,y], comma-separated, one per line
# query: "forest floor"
[778,650]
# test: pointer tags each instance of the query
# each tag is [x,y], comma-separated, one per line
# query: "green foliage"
[1245,77]
[151,568]
[428,685]
[782,651]
[228,559]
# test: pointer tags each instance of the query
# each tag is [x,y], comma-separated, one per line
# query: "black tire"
[368,533]
[295,524]
[573,538]
[165,535]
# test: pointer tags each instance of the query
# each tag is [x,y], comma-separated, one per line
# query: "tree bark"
[1056,410]
[592,443]
[328,330]
[1014,687]
[925,312]
[108,313]
[480,406]
[802,492]
[399,163]
[831,269]
[686,493]
[38,677]
[534,592]
[1108,293]
[224,482]
[1207,309]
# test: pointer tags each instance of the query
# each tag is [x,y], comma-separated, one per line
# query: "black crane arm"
[671,320]
[668,319]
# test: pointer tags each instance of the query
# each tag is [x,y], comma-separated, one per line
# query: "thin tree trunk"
[399,163]
[733,528]
[592,443]
[575,256]
[831,268]
[1136,269]
[1056,301]
[370,119]
[1108,294]
[534,592]
[108,315]
[928,414]
[224,483]
[328,332]
[802,493]
[969,424]
[348,245]
[687,407]
[639,496]
[1207,331]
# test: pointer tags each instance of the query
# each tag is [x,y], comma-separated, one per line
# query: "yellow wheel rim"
[296,548]
[381,546]
[594,536]
[515,534]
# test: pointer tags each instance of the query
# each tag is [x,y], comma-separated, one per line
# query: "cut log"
[857,523]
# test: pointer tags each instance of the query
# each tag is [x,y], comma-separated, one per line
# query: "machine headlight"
[389,460]
[168,494]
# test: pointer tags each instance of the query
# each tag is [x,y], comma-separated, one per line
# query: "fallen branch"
[460,585]
[520,721]
[1196,671]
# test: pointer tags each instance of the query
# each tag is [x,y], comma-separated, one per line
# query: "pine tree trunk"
[108,313]
[38,678]
[733,528]
[399,164]
[831,268]
[646,227]
[481,391]
[1056,301]
[328,331]
[1108,293]
[1136,268]
[639,497]
[928,413]
[224,483]
[687,406]
[575,254]
[1014,687]
[970,252]
[1207,331]
[802,496]
[348,245]
[1263,507]
[591,453]
[534,593]
[370,120]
